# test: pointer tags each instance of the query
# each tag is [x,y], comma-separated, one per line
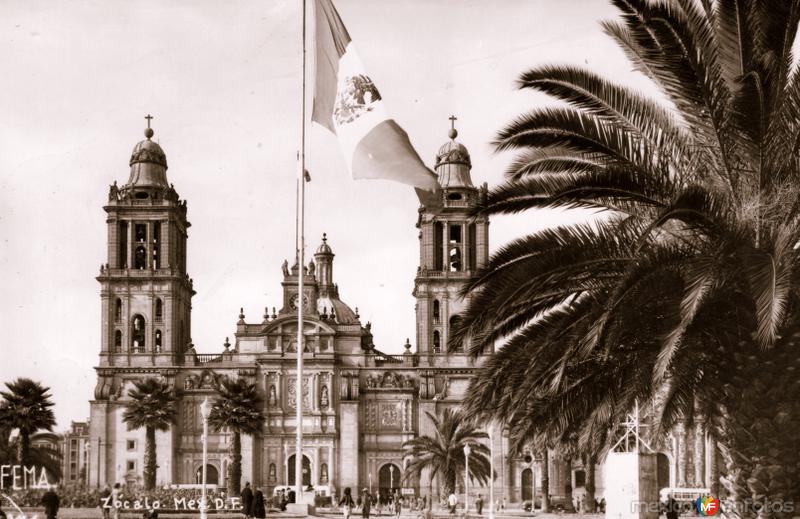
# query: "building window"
[118,310]
[156,247]
[473,247]
[454,254]
[140,258]
[159,310]
[118,341]
[438,243]
[158,341]
[137,334]
[131,445]
[436,314]
[140,233]
[437,342]
[122,252]
[130,465]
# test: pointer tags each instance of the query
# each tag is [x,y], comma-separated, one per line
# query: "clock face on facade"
[295,300]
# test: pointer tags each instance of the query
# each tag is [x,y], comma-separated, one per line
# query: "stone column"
[700,453]
[682,454]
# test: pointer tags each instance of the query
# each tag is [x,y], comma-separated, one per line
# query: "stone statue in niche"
[273,397]
[323,398]
[391,380]
[285,268]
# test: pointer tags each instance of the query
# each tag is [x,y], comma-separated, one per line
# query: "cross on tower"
[148,117]
[453,120]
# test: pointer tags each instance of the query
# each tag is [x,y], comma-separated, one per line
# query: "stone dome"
[324,248]
[148,164]
[453,164]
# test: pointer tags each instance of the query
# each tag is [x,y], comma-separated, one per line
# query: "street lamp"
[205,410]
[491,472]
[370,483]
[467,450]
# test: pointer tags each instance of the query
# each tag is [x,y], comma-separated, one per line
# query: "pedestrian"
[105,501]
[247,501]
[347,503]
[2,514]
[479,504]
[259,508]
[452,502]
[116,496]
[366,503]
[398,505]
[672,507]
[50,501]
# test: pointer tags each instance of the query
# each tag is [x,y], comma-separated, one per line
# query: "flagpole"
[301,194]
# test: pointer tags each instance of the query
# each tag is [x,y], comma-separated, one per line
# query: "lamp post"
[491,472]
[205,410]
[467,450]
[391,479]
[370,483]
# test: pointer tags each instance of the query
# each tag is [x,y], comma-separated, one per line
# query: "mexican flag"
[348,103]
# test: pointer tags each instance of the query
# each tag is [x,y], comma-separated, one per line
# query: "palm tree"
[545,470]
[240,408]
[27,407]
[443,453]
[686,286]
[152,405]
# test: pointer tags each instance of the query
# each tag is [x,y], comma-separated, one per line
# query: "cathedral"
[360,404]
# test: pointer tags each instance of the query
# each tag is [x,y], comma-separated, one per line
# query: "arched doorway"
[212,475]
[389,479]
[527,485]
[662,470]
[306,470]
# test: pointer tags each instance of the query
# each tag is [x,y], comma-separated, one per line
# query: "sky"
[223,82]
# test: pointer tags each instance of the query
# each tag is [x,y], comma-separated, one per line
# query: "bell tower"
[453,246]
[145,290]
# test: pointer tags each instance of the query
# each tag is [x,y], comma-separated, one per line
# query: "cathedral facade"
[360,404]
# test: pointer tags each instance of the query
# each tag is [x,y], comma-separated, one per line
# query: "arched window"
[159,310]
[158,341]
[118,310]
[437,341]
[117,341]
[436,312]
[137,334]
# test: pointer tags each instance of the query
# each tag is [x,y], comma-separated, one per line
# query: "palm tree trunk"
[758,438]
[150,458]
[590,486]
[235,467]
[24,448]
[713,467]
[545,481]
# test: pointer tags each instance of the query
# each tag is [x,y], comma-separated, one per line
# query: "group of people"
[366,501]
[254,504]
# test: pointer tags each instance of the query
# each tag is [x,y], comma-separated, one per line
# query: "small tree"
[239,407]
[153,406]
[26,407]
[443,453]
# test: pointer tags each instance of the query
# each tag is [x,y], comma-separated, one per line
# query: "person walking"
[259,508]
[398,504]
[479,504]
[247,501]
[50,501]
[366,503]
[116,497]
[347,503]
[452,502]
[105,501]
[672,507]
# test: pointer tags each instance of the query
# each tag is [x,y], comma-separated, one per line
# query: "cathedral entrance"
[389,479]
[306,470]
[212,475]
[527,485]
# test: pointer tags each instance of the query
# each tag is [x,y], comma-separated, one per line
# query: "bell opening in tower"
[454,253]
[438,243]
